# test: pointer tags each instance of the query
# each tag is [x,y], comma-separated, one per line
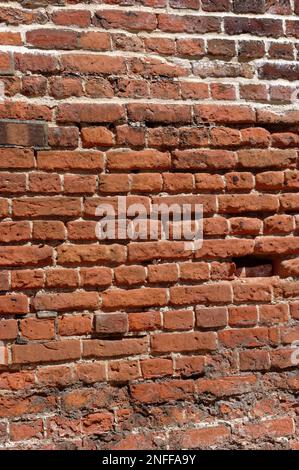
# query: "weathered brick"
[46,352]
[26,134]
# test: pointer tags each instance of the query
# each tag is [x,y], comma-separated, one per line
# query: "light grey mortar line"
[263,61]
[258,314]
[9,353]
[26,182]
[80,144]
[267,47]
[61,178]
[236,87]
[9,202]
[156,11]
[284,27]
[222,27]
[289,318]
[93,101]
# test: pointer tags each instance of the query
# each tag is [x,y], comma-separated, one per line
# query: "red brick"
[227,386]
[28,430]
[67,301]
[162,392]
[111,323]
[97,137]
[10,38]
[27,279]
[14,304]
[92,40]
[159,113]
[222,92]
[132,21]
[94,64]
[14,231]
[128,135]
[213,317]
[204,160]
[23,380]
[36,63]
[201,438]
[270,180]
[252,290]
[79,18]
[55,376]
[8,329]
[48,230]
[97,423]
[145,321]
[40,182]
[16,158]
[90,373]
[130,275]
[33,328]
[160,45]
[68,160]
[134,298]
[34,85]
[45,206]
[183,342]
[52,38]
[95,277]
[64,137]
[46,352]
[245,225]
[247,337]
[225,248]
[236,204]
[272,314]
[90,254]
[81,184]
[243,316]
[276,245]
[65,87]
[209,293]
[123,371]
[224,114]
[137,160]
[114,348]
[26,405]
[89,112]
[279,427]
[188,366]
[225,137]
[176,320]
[254,360]
[146,183]
[75,325]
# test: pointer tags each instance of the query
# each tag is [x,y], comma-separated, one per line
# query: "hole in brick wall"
[251,266]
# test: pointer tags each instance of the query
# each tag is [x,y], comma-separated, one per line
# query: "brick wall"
[144,344]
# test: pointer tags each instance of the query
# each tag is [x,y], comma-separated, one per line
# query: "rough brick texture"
[160,101]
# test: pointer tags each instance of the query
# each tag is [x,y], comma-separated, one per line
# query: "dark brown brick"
[23,133]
